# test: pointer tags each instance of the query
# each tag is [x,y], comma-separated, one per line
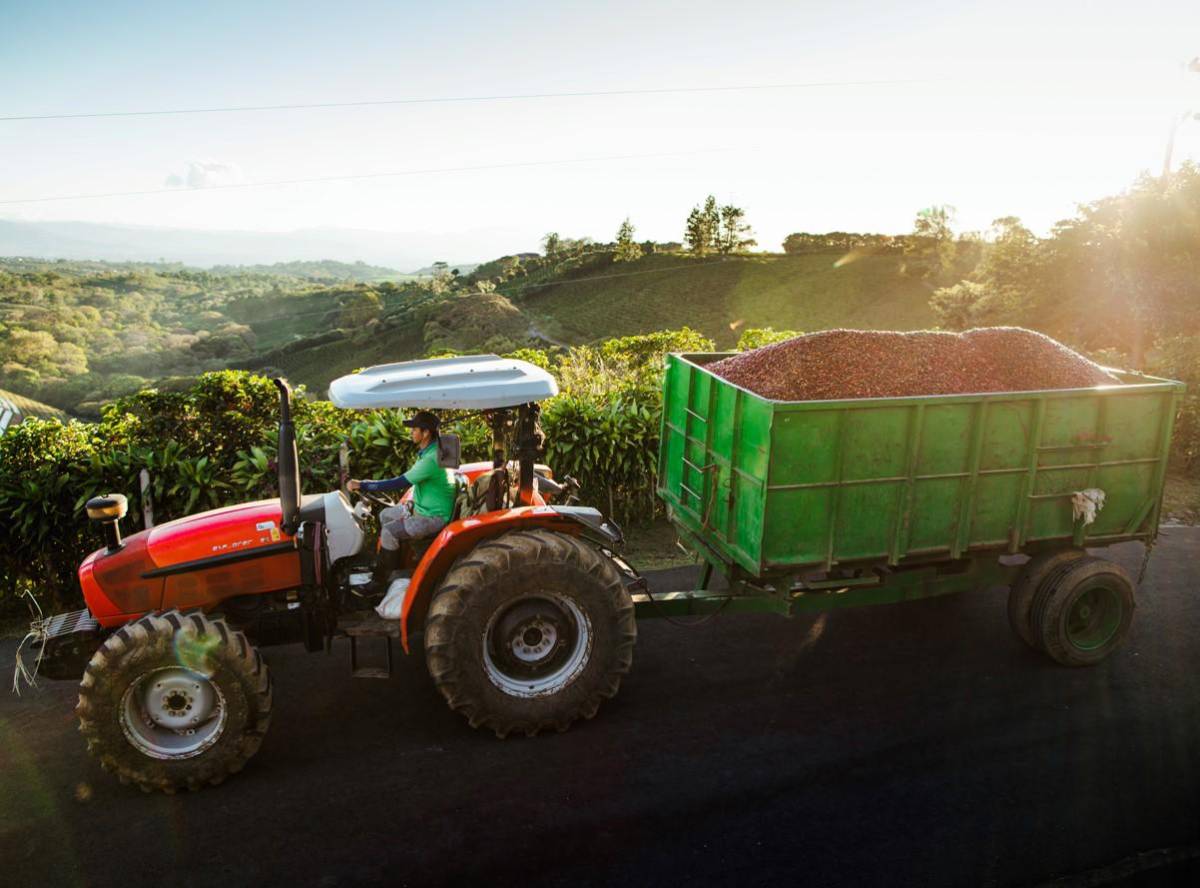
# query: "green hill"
[459,322]
[325,271]
[78,334]
[597,299]
[719,296]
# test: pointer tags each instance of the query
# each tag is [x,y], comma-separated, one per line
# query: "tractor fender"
[463,535]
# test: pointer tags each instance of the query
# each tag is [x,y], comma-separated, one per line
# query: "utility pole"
[1192,67]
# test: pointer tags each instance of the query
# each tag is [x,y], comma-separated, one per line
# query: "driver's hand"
[353,484]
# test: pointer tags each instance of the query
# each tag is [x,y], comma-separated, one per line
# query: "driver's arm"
[385,485]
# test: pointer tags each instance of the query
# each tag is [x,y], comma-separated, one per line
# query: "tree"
[703,229]
[551,244]
[711,228]
[36,353]
[1005,286]
[362,307]
[711,217]
[962,306]
[228,341]
[441,277]
[929,250]
[734,234]
[694,234]
[1124,272]
[627,248]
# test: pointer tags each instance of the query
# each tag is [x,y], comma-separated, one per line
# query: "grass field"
[277,321]
[720,296]
[317,367]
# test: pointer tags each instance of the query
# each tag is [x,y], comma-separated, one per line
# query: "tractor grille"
[66,624]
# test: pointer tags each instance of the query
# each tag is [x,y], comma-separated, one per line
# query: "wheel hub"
[1094,617]
[536,645]
[178,700]
[534,640]
[172,713]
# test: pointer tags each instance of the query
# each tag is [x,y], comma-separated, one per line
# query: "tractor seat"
[461,486]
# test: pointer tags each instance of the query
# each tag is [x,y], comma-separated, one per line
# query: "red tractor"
[522,608]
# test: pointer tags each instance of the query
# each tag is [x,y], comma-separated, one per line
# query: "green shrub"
[757,337]
[628,364]
[213,441]
[1179,358]
[611,448]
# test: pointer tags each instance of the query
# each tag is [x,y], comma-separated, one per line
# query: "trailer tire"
[530,631]
[1025,587]
[174,701]
[1082,612]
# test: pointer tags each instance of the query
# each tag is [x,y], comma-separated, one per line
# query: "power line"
[398,173]
[816,84]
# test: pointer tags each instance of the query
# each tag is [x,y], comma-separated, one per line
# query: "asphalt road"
[915,744]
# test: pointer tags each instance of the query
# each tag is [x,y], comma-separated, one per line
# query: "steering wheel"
[375,499]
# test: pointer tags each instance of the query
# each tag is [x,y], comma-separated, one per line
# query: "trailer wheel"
[1021,595]
[174,701]
[530,631]
[1082,612]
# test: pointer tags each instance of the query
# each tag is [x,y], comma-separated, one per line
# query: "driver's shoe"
[386,563]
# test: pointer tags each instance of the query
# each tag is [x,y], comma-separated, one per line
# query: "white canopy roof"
[473,382]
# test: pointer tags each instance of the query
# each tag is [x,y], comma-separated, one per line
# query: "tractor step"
[370,626]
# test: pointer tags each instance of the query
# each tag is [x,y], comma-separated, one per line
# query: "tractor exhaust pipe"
[289,463]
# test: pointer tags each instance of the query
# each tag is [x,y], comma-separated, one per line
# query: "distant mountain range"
[129,243]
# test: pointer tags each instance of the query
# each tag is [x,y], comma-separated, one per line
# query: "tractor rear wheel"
[174,701]
[530,631]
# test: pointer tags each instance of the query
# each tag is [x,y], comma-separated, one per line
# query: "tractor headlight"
[107,510]
[107,507]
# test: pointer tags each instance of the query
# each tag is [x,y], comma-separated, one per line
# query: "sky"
[1015,108]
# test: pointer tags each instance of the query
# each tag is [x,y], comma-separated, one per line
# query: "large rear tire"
[1083,612]
[1020,596]
[174,701]
[530,631]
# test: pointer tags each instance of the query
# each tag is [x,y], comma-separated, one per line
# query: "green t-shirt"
[433,486]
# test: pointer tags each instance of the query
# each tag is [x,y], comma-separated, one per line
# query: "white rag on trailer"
[1086,503]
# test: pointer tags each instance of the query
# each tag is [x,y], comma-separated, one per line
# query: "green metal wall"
[773,486]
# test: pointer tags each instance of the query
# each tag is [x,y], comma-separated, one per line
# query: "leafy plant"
[757,337]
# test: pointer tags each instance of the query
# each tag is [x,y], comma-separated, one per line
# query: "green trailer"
[809,505]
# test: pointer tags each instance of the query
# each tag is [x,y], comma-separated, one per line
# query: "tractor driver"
[432,500]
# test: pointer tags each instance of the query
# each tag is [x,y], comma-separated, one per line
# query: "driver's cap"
[423,419]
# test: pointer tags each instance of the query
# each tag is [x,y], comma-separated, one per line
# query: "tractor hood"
[216,532]
[193,562]
[474,382]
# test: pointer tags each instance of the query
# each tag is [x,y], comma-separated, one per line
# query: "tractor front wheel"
[174,701]
[530,631]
